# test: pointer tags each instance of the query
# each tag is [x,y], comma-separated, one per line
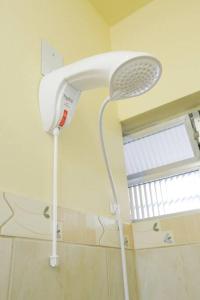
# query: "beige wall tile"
[152,239]
[160,274]
[85,273]
[32,277]
[23,217]
[170,273]
[144,235]
[73,226]
[110,234]
[115,279]
[82,272]
[178,225]
[128,235]
[132,278]
[185,228]
[92,225]
[90,229]
[146,225]
[5,261]
[192,227]
[191,269]
[80,228]
[27,218]
[114,274]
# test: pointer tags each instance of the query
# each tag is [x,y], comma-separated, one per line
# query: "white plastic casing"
[65,106]
[58,111]
[62,87]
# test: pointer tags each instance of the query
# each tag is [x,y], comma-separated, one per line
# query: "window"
[165,196]
[162,166]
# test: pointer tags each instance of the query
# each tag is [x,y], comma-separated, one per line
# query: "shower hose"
[115,203]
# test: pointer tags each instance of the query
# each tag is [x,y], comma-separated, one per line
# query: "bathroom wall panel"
[169,273]
[84,272]
[32,278]
[29,218]
[5,262]
[191,269]
[81,274]
[182,228]
[115,278]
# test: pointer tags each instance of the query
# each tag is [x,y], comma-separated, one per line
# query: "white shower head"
[128,74]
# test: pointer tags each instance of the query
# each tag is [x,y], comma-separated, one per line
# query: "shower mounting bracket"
[51,59]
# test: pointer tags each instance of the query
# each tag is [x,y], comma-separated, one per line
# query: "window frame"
[172,169]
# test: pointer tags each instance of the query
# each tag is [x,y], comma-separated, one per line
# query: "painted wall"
[76,30]
[170,31]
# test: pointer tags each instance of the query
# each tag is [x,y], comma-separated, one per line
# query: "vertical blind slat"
[141,202]
[132,203]
[146,200]
[166,196]
[136,203]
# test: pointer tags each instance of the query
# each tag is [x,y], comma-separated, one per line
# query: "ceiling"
[115,10]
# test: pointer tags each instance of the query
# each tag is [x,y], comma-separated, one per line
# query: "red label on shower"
[63,119]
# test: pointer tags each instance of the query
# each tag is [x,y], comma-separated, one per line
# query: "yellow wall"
[113,11]
[76,30]
[169,30]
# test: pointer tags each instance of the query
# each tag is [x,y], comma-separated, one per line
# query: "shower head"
[134,77]
[128,74]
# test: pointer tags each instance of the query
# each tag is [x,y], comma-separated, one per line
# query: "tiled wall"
[88,248]
[169,231]
[165,264]
[169,273]
[168,258]
[84,273]
[23,217]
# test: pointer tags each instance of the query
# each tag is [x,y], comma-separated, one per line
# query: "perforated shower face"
[135,77]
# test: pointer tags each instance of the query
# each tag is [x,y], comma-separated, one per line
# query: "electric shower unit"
[127,74]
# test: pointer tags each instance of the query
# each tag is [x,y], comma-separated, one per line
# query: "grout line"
[67,242]
[103,230]
[184,270]
[11,209]
[168,246]
[107,271]
[9,290]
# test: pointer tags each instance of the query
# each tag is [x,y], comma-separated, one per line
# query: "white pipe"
[115,198]
[54,256]
[123,254]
